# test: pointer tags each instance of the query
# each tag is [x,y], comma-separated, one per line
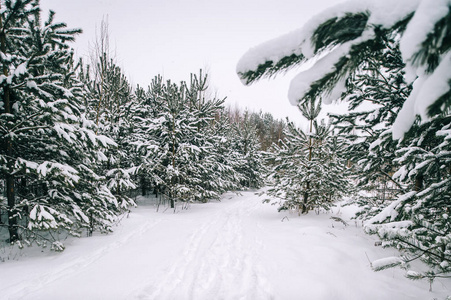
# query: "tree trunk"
[143,190]
[305,200]
[143,186]
[310,143]
[10,178]
[12,218]
[10,196]
[419,182]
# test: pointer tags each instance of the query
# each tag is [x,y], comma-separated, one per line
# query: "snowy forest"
[80,143]
[393,70]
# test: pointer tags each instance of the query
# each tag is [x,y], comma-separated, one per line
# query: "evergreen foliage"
[307,171]
[348,38]
[246,144]
[110,104]
[374,59]
[269,130]
[49,145]
[375,95]
[417,222]
[187,149]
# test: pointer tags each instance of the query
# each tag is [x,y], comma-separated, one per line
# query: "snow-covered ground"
[238,248]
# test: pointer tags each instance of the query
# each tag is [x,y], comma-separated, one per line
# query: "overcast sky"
[177,37]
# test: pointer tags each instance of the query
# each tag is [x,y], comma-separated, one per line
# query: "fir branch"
[23,129]
[428,251]
[392,180]
[270,68]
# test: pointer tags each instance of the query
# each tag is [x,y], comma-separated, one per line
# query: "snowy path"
[218,261]
[234,249]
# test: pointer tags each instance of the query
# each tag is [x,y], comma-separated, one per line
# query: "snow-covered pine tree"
[227,158]
[150,104]
[160,136]
[307,171]
[342,36]
[111,108]
[110,104]
[345,36]
[212,173]
[417,222]
[375,95]
[247,144]
[178,141]
[284,178]
[14,16]
[49,145]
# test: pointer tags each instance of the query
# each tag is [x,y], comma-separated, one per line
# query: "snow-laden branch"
[423,47]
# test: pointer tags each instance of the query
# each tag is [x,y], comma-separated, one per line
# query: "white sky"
[177,37]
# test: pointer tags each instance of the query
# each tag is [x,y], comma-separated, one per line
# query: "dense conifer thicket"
[78,141]
[396,134]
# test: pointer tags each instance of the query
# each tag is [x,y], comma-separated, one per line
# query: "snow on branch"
[386,263]
[426,90]
[390,212]
[423,27]
[419,28]
[344,22]
[301,84]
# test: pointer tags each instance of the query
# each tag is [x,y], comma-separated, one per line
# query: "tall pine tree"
[308,172]
[50,146]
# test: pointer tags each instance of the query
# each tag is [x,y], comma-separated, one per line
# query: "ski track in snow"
[219,261]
